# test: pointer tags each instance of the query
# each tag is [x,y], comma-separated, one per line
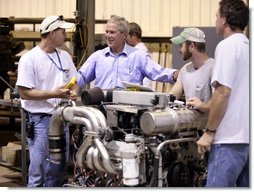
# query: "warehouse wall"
[36,8]
[156,17]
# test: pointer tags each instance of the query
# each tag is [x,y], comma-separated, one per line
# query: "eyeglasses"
[60,18]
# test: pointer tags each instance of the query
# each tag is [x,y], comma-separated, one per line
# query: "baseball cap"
[51,23]
[191,34]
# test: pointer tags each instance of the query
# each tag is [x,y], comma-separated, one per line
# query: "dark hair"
[236,13]
[134,29]
[44,35]
[200,46]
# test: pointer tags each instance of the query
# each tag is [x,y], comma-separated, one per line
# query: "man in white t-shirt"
[227,132]
[194,77]
[42,74]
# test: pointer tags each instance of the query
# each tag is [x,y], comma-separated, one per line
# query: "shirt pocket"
[199,91]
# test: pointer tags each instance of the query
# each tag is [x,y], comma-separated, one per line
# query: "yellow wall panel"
[145,16]
[214,7]
[136,10]
[195,12]
[126,9]
[155,17]
[165,16]
[185,13]
[205,12]
[99,6]
[175,12]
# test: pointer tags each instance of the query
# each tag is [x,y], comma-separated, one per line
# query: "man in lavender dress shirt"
[120,62]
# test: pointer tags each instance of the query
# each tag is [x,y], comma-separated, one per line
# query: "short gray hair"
[122,23]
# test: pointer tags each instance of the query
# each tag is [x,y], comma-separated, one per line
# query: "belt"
[41,114]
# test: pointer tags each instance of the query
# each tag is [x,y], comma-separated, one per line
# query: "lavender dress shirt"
[132,65]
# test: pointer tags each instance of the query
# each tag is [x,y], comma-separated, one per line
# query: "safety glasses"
[60,18]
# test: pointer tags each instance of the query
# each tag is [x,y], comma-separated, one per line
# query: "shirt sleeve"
[86,73]
[155,72]
[225,66]
[26,76]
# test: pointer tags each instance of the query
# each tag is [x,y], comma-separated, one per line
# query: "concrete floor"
[10,177]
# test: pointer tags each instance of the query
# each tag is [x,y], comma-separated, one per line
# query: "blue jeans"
[228,165]
[39,153]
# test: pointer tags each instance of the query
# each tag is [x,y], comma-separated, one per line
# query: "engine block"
[134,139]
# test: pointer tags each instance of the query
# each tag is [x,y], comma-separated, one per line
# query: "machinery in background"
[131,138]
[9,47]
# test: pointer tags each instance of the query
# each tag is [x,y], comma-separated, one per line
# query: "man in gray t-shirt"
[194,77]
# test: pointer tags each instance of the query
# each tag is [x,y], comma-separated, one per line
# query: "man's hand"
[62,93]
[73,96]
[205,142]
[194,103]
[175,75]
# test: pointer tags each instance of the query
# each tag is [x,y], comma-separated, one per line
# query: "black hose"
[154,179]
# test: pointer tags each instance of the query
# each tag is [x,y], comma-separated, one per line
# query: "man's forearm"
[218,106]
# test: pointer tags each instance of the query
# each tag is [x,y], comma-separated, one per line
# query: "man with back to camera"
[194,77]
[227,132]
[135,37]
[120,62]
[42,74]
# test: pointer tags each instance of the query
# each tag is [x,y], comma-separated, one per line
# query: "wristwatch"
[209,130]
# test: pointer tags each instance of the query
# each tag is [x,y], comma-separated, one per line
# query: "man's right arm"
[177,90]
[35,94]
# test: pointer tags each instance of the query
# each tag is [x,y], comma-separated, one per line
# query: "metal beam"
[85,16]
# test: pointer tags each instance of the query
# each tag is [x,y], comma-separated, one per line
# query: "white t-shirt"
[197,82]
[232,70]
[142,47]
[36,70]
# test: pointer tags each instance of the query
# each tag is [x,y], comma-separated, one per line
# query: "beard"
[187,55]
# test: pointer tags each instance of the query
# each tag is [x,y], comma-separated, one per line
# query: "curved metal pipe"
[89,158]
[97,161]
[83,121]
[56,135]
[82,150]
[86,143]
[100,117]
[69,114]
[158,155]
[74,115]
[107,164]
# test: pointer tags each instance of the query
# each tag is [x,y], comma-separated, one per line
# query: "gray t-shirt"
[196,83]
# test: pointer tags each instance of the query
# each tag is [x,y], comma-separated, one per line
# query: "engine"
[132,138]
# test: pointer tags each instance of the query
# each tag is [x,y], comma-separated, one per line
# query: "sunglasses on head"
[60,18]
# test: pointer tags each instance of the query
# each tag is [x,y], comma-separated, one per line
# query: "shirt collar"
[126,50]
